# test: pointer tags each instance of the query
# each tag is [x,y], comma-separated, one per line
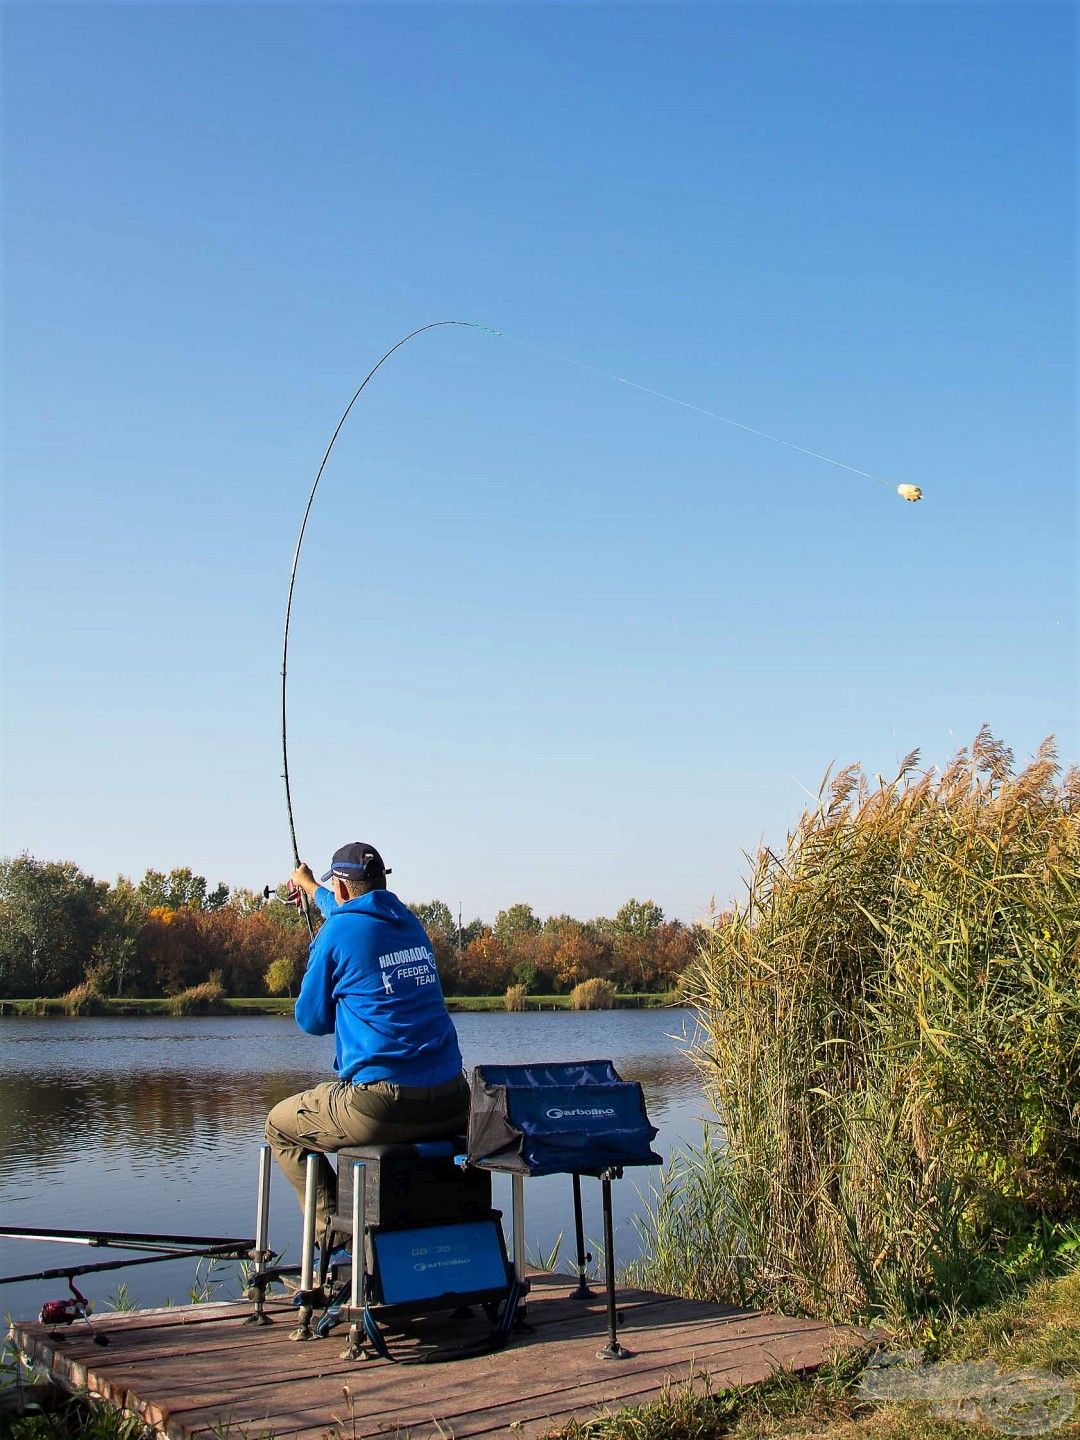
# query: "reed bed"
[594,994]
[85,999]
[890,1032]
[516,996]
[204,999]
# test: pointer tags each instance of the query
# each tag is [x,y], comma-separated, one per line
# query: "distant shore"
[275,1005]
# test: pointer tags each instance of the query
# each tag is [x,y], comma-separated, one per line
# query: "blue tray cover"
[558,1118]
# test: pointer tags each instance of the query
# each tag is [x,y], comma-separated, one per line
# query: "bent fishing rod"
[434,325]
[905,491]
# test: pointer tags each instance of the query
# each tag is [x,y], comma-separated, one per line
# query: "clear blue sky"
[554,640]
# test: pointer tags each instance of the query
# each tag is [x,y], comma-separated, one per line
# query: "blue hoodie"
[371,982]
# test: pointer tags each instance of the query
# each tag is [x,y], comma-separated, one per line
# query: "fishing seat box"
[412,1185]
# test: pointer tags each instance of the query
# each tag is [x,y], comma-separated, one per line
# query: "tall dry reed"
[594,994]
[891,1036]
[515,998]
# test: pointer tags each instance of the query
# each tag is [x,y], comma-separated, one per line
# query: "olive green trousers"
[331,1116]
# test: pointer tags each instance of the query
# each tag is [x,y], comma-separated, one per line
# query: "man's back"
[372,982]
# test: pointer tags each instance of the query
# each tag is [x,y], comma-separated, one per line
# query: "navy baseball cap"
[356,861]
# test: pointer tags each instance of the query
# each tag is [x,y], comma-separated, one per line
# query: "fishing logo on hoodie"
[416,964]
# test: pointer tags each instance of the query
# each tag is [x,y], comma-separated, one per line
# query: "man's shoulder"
[381,930]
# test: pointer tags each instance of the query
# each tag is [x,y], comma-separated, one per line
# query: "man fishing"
[371,982]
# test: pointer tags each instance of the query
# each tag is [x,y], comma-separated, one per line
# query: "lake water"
[154,1124]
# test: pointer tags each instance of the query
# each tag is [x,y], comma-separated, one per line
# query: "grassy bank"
[279,1005]
[157,1005]
[628,1001]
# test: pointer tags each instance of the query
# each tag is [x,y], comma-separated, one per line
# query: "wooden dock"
[195,1371]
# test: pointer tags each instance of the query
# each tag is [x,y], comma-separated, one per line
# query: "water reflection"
[153,1124]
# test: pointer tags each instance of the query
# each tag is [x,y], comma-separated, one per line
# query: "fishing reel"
[62,1312]
[67,1311]
[293,895]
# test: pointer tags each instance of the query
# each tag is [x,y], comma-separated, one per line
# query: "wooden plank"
[310,1421]
[119,1321]
[618,1392]
[646,1370]
[151,1346]
[527,1377]
[79,1338]
[549,1300]
[256,1359]
[532,1357]
[373,1385]
[616,1386]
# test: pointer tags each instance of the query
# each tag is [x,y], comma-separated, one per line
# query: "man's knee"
[280,1127]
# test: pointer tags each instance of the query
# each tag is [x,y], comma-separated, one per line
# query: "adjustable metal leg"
[357,1296]
[582,1292]
[612,1350]
[261,1256]
[325,1251]
[303,1330]
[517,1195]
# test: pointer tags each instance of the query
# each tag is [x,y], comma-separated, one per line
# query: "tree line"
[61,929]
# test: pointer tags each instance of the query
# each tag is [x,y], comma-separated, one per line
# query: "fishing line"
[907,492]
[688,405]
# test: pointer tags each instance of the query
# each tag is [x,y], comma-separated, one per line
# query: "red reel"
[66,1312]
[62,1312]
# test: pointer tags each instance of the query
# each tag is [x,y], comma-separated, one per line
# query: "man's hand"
[304,878]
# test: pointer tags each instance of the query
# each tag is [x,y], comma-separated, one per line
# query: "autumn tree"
[181,889]
[569,950]
[634,930]
[52,915]
[514,922]
[639,918]
[248,902]
[167,950]
[487,966]
[116,952]
[676,946]
[434,915]
[282,975]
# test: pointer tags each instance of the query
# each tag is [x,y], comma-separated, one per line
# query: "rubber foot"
[257,1317]
[614,1352]
[304,1332]
[582,1292]
[354,1352]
